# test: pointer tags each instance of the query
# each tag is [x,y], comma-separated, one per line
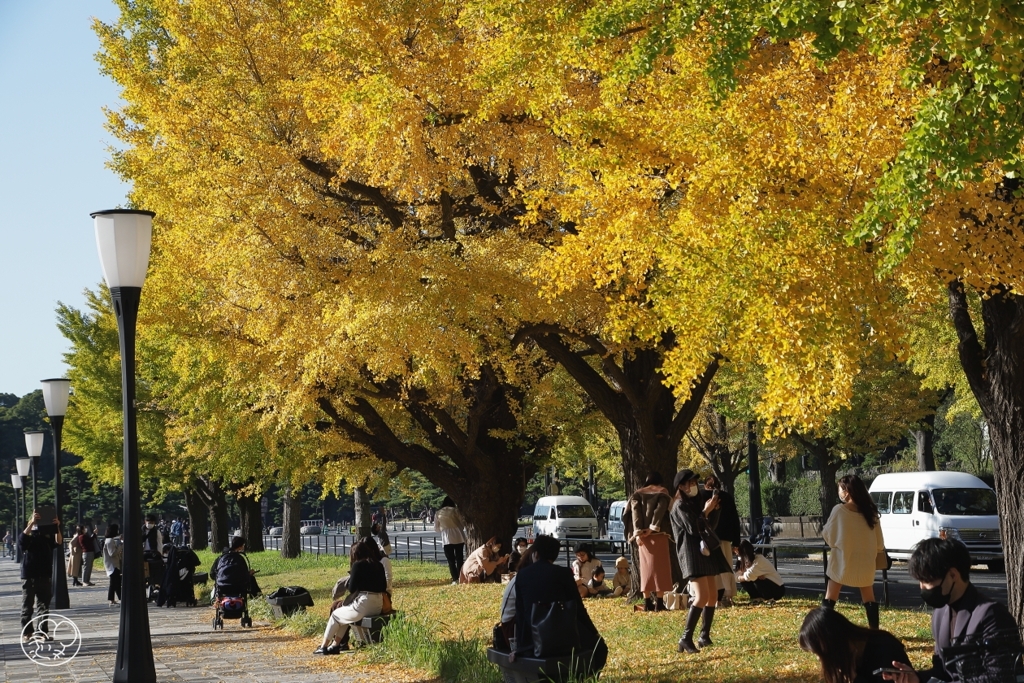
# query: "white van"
[564,517]
[616,529]
[917,505]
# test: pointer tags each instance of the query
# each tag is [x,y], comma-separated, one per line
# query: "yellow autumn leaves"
[365,189]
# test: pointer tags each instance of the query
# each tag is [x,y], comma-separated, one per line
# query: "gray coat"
[686,521]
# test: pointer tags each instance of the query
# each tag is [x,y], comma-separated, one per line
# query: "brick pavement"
[185,647]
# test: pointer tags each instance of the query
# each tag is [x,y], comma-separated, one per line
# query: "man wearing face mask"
[963,615]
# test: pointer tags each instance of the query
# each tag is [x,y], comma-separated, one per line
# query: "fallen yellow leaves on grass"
[752,643]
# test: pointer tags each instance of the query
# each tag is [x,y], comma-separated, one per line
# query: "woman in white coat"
[450,523]
[854,535]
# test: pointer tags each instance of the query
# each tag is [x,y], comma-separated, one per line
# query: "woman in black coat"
[700,555]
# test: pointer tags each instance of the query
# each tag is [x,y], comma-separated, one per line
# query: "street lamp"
[123,238]
[55,398]
[17,484]
[34,446]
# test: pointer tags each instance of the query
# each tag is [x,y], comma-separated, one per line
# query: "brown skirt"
[655,565]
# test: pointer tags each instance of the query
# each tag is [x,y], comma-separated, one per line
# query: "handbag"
[882,560]
[709,537]
[554,629]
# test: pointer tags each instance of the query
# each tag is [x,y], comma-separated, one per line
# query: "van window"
[615,514]
[574,511]
[903,502]
[924,502]
[883,499]
[541,512]
[965,501]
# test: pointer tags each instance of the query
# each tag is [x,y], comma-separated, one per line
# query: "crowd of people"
[687,536]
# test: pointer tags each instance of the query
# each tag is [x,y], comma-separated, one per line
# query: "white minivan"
[616,529]
[564,517]
[917,505]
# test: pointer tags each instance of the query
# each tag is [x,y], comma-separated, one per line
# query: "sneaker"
[320,650]
[89,584]
[336,649]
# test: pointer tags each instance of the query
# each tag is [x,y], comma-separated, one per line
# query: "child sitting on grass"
[620,582]
[596,587]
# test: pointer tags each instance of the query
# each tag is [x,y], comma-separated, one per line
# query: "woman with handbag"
[854,535]
[551,620]
[649,511]
[700,555]
[74,567]
[367,586]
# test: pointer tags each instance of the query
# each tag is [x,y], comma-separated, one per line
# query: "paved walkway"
[185,647]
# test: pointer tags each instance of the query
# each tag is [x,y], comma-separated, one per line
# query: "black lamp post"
[18,485]
[34,446]
[123,237]
[55,397]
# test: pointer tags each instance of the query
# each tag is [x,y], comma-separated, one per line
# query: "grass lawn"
[447,629]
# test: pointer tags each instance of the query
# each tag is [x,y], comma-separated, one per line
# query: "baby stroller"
[232,586]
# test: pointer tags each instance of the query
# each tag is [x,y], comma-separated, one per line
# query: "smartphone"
[888,670]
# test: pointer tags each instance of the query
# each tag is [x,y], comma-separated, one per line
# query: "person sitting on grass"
[519,546]
[483,564]
[848,653]
[596,587]
[757,576]
[620,582]
[367,585]
[583,567]
[963,616]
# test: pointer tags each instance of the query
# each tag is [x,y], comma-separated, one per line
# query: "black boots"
[828,604]
[871,608]
[705,628]
[659,605]
[649,604]
[686,642]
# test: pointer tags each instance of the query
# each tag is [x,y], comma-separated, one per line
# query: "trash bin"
[289,599]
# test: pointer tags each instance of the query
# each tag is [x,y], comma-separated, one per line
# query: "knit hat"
[621,563]
[682,477]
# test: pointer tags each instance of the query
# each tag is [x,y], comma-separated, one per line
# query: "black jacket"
[687,520]
[977,618]
[37,560]
[545,582]
[367,576]
[728,528]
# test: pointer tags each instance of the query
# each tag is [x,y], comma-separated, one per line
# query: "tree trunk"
[291,542]
[363,512]
[828,493]
[219,524]
[251,521]
[777,469]
[491,508]
[631,392]
[198,519]
[925,437]
[996,375]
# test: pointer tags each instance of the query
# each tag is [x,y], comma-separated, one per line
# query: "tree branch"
[972,355]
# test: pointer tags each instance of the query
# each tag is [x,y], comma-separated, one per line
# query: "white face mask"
[692,491]
[149,525]
[843,496]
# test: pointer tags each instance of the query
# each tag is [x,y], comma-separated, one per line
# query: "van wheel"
[997,566]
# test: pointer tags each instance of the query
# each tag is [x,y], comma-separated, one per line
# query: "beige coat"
[854,547]
[75,560]
[480,562]
[649,510]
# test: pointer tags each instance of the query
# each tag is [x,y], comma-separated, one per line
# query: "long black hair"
[861,498]
[831,636]
[447,502]
[746,553]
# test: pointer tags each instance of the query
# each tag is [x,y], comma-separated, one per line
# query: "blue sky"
[53,148]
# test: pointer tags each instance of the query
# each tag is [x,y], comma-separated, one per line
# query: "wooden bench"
[368,630]
[530,669]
